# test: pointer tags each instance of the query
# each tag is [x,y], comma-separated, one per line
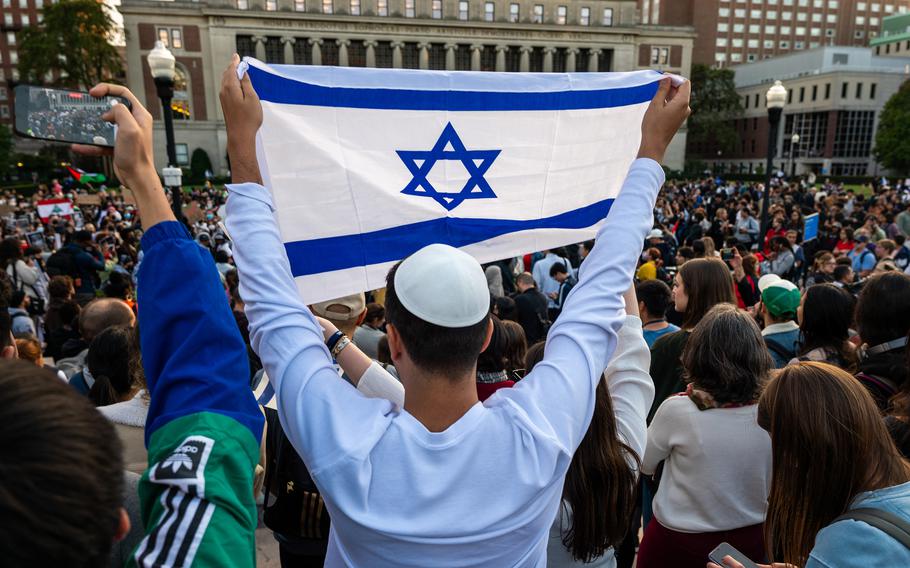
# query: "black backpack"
[294,508]
[62,263]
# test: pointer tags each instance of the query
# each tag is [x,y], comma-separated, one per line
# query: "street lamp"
[162,64]
[775,98]
[794,142]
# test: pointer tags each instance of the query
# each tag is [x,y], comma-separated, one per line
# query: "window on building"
[23,4]
[724,12]
[802,94]
[843,90]
[746,102]
[739,28]
[739,13]
[271,5]
[437,56]
[789,96]
[26,22]
[859,90]
[382,8]
[785,30]
[854,134]
[840,58]
[303,52]
[538,14]
[816,17]
[827,91]
[754,29]
[244,45]
[274,51]
[608,17]
[489,11]
[784,44]
[752,43]
[410,56]
[357,53]
[750,57]
[561,12]
[859,34]
[10,38]
[355,9]
[437,9]
[300,5]
[771,15]
[786,16]
[798,45]
[14,58]
[3,94]
[814,92]
[243,5]
[328,7]
[723,27]
[660,55]
[180,104]
[721,42]
[737,42]
[4,111]
[164,37]
[736,57]
[330,52]
[831,18]
[462,10]
[860,21]
[383,51]
[755,105]
[584,17]
[409,10]
[183,154]
[514,12]
[872,88]
[829,32]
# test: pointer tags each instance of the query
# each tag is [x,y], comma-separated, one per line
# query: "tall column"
[548,59]
[371,52]
[476,49]
[501,57]
[396,54]
[316,56]
[288,49]
[343,51]
[524,61]
[259,42]
[450,56]
[571,53]
[592,60]
[424,55]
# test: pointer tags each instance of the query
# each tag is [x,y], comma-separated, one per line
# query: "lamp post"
[775,98]
[794,142]
[162,64]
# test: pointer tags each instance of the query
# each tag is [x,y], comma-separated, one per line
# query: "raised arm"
[559,393]
[324,417]
[203,426]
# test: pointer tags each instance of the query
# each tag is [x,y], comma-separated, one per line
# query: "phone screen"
[724,549]
[64,116]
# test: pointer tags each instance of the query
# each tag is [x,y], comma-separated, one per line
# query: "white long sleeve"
[485,491]
[630,384]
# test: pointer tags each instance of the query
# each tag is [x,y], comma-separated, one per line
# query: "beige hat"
[341,309]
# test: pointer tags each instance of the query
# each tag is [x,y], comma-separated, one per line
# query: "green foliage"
[73,43]
[6,150]
[715,104]
[199,163]
[892,141]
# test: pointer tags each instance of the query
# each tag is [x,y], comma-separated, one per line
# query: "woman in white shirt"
[717,460]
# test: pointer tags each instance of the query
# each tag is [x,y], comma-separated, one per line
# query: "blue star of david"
[476,162]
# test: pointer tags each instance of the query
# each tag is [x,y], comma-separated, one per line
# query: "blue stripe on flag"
[277,89]
[387,245]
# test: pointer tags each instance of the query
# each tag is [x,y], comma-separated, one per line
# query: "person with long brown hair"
[700,285]
[833,457]
[825,314]
[717,461]
[599,495]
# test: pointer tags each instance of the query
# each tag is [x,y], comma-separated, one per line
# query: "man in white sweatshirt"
[445,481]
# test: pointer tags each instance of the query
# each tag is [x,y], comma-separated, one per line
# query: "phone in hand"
[62,115]
[724,549]
[726,254]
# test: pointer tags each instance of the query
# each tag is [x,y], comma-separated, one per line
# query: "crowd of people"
[688,379]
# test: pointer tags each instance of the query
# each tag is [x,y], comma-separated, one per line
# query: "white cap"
[443,286]
[656,234]
[767,280]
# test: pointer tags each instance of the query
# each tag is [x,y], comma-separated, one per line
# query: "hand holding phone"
[725,556]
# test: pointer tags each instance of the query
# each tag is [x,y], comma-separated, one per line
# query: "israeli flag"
[366,166]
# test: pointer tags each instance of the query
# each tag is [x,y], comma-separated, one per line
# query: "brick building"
[14,16]
[500,35]
[731,32]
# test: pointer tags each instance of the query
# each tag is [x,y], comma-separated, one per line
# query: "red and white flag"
[59,207]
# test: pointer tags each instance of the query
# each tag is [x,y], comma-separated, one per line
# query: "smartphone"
[62,115]
[726,253]
[723,549]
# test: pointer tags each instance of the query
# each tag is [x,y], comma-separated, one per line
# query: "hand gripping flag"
[366,166]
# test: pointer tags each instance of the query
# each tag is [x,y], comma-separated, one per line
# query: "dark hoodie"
[883,374]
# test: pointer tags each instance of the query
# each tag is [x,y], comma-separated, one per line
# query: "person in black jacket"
[531,308]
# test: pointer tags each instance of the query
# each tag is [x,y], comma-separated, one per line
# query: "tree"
[715,105]
[73,44]
[892,141]
[6,150]
[199,164]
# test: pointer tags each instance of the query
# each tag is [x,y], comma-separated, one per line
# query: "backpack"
[63,263]
[889,523]
[294,508]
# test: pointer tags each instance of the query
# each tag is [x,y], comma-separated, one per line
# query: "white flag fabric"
[366,166]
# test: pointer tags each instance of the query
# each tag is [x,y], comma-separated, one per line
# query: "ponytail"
[103,392]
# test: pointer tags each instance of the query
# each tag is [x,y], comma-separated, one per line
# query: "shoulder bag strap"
[889,523]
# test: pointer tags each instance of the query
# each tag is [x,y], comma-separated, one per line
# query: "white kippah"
[443,286]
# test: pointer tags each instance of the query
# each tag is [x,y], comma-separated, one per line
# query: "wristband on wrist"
[333,339]
[340,345]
